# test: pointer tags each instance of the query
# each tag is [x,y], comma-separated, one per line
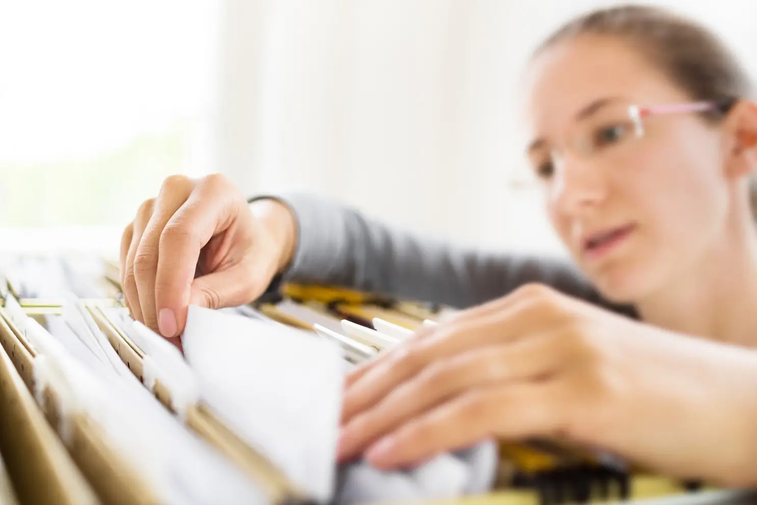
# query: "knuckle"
[145,210]
[181,232]
[534,310]
[360,424]
[211,297]
[539,295]
[438,375]
[409,358]
[174,183]
[126,238]
[128,231]
[533,290]
[478,406]
[494,367]
[424,432]
[129,281]
[545,301]
[145,260]
[216,182]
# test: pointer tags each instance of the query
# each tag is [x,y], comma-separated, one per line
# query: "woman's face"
[637,213]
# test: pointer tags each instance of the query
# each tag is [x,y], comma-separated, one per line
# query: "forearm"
[333,244]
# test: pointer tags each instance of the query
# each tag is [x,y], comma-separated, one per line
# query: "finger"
[125,244]
[412,357]
[208,211]
[224,289]
[533,309]
[126,237]
[517,411]
[498,305]
[129,283]
[488,366]
[173,194]
[524,294]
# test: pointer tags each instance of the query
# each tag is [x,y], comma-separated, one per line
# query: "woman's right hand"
[199,242]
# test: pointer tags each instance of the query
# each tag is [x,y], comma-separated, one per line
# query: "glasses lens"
[609,130]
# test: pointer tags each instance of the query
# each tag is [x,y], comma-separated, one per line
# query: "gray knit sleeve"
[339,245]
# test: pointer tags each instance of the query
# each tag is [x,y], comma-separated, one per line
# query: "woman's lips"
[600,244]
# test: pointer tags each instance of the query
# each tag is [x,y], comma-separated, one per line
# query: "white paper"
[164,362]
[182,469]
[57,326]
[3,285]
[368,336]
[278,389]
[392,329]
[16,314]
[354,351]
[125,323]
[85,328]
[50,369]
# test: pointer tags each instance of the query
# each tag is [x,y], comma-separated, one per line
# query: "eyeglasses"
[611,132]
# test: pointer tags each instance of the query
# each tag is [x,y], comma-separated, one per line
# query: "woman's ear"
[741,126]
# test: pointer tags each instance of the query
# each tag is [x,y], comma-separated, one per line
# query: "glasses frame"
[638,113]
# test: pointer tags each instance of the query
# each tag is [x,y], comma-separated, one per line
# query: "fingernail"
[381,452]
[167,323]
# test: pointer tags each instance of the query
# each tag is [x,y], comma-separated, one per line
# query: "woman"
[645,141]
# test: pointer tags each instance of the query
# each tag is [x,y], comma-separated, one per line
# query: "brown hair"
[689,54]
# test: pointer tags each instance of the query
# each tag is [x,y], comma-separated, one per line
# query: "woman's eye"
[545,170]
[609,135]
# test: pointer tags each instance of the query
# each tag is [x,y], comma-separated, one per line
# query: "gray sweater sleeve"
[338,245]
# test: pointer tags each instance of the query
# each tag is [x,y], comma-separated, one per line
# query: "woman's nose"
[579,185]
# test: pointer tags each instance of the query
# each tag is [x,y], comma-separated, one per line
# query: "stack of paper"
[278,389]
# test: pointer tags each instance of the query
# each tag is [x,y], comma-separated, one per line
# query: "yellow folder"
[38,464]
[112,479]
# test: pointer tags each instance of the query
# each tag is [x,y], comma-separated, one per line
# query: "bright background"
[407,109]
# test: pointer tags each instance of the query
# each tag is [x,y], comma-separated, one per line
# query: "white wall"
[405,108]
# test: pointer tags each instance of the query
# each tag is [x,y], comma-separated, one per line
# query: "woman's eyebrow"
[594,106]
[535,145]
[584,113]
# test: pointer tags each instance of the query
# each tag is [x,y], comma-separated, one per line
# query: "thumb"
[237,285]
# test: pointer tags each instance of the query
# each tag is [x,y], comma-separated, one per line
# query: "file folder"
[83,466]
[38,464]
[7,495]
[113,480]
[276,486]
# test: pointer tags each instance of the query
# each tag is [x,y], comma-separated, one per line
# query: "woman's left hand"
[537,363]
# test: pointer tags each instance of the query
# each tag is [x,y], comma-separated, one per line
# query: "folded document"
[280,389]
